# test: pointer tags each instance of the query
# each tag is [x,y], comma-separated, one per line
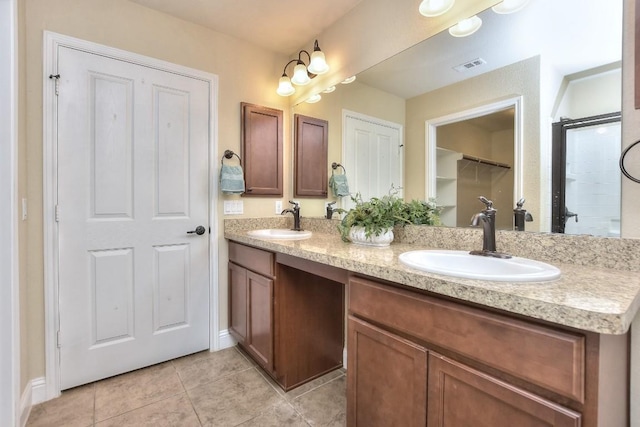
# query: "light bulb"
[318,65]
[285,88]
[300,76]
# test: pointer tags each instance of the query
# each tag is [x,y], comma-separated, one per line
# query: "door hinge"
[56,214]
[56,77]
[58,339]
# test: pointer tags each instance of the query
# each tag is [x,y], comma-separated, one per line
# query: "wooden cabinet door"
[260,319]
[238,302]
[312,145]
[461,396]
[386,378]
[262,150]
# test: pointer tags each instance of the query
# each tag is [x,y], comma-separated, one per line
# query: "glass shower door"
[588,201]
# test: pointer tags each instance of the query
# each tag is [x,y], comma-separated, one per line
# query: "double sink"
[449,262]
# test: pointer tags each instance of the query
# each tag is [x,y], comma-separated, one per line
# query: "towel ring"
[228,154]
[335,166]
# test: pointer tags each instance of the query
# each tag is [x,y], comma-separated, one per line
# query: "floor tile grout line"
[188,397]
[321,385]
[140,407]
[95,392]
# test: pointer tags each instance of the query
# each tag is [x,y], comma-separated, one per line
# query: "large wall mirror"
[557,60]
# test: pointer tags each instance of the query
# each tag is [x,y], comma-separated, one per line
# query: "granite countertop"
[599,299]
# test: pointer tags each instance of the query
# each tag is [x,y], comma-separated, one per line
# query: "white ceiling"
[278,25]
[570,35]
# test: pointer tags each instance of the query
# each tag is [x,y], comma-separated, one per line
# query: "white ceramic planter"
[357,235]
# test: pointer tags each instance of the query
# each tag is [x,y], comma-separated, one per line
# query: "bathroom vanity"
[286,313]
[425,349]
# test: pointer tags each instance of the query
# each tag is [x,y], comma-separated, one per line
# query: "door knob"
[199,230]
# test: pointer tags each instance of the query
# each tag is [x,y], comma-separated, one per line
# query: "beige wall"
[592,96]
[518,79]
[128,26]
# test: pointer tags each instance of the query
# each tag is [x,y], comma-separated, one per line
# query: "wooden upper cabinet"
[311,147]
[262,150]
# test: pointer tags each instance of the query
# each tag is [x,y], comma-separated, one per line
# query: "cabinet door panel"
[260,319]
[386,378]
[238,302]
[262,150]
[312,144]
[461,396]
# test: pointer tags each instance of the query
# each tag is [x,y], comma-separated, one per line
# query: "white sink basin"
[462,264]
[280,234]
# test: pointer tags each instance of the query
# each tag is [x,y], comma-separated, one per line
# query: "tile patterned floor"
[205,389]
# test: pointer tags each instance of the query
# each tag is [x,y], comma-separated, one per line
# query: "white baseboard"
[34,392]
[225,340]
[344,357]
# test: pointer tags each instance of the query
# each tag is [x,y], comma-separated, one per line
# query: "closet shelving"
[447,179]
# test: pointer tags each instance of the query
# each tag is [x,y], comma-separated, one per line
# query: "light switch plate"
[233,207]
[278,207]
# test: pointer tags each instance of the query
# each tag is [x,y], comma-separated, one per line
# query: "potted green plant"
[371,222]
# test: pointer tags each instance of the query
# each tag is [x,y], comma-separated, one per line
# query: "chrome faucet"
[488,218]
[296,215]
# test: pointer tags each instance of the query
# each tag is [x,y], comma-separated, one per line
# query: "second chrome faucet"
[488,219]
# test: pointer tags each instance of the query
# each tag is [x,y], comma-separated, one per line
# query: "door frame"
[10,351]
[559,162]
[52,42]
[483,110]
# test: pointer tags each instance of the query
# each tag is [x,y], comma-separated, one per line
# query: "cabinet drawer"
[256,260]
[544,356]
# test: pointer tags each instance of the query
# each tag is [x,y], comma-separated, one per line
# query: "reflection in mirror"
[475,157]
[561,58]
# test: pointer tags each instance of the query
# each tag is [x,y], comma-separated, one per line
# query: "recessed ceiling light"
[329,89]
[314,98]
[431,8]
[349,80]
[509,6]
[466,27]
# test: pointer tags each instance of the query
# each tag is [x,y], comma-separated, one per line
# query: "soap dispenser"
[520,215]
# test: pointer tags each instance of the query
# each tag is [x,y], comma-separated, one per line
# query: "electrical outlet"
[278,207]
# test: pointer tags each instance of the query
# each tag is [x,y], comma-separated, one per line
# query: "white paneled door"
[373,155]
[133,150]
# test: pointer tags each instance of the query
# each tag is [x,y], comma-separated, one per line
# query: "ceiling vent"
[469,65]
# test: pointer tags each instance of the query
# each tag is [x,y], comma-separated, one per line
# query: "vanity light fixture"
[329,89]
[302,74]
[509,6]
[313,99]
[431,8]
[349,80]
[466,27]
